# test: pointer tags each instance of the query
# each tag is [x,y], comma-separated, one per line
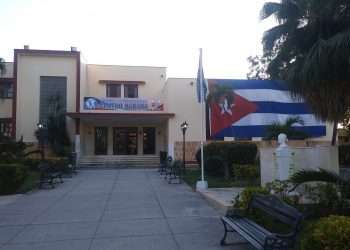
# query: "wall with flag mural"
[245,108]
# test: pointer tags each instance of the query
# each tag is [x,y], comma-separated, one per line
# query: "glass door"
[125,141]
[149,141]
[101,144]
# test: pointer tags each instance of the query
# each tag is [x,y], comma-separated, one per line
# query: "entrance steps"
[119,161]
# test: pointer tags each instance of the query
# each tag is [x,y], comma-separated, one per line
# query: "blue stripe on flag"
[282,108]
[252,84]
[260,131]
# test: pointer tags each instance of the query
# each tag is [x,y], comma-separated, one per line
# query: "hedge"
[246,171]
[230,153]
[12,177]
[344,155]
[327,233]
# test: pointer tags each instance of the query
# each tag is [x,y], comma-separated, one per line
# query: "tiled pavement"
[112,209]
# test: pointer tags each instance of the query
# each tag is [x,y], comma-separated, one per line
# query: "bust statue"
[282,139]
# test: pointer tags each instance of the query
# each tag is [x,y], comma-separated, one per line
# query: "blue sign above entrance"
[121,104]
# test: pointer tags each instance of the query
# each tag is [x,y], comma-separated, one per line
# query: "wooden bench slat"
[257,235]
[250,227]
[254,229]
[244,234]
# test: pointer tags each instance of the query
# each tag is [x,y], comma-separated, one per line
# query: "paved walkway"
[112,209]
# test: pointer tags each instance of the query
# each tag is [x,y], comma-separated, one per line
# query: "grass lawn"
[30,182]
[193,175]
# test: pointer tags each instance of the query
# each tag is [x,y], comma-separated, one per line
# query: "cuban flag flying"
[253,106]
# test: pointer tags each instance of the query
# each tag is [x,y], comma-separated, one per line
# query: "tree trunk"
[226,171]
[334,135]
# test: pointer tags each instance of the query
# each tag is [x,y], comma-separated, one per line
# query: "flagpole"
[201,185]
[202,118]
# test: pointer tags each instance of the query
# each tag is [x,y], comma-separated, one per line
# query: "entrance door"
[101,144]
[125,141]
[149,141]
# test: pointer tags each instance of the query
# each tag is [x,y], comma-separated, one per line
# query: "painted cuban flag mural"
[253,105]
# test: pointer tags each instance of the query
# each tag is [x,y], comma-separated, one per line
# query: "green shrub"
[241,153]
[246,172]
[230,152]
[326,199]
[242,200]
[11,177]
[214,166]
[344,154]
[281,189]
[12,151]
[327,233]
[32,164]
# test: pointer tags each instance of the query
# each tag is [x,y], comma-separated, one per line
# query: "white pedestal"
[201,185]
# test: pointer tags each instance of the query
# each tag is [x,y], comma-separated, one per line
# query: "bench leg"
[223,240]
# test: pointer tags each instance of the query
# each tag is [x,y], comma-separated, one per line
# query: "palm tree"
[322,175]
[2,66]
[217,92]
[310,49]
[287,128]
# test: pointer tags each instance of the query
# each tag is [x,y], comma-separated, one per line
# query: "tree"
[287,128]
[346,122]
[56,126]
[310,50]
[258,68]
[322,175]
[219,92]
[57,136]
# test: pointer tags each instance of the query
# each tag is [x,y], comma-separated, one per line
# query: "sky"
[165,33]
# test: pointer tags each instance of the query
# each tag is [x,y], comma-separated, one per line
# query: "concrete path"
[112,209]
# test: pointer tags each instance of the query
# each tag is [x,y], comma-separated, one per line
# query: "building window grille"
[5,127]
[113,90]
[130,91]
[6,90]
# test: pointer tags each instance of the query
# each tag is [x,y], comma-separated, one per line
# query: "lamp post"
[184,127]
[41,138]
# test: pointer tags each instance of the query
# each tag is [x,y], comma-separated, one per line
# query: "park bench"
[167,170]
[175,171]
[163,162]
[48,175]
[71,168]
[257,235]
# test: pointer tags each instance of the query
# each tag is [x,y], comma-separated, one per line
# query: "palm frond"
[269,9]
[274,34]
[218,91]
[292,120]
[321,175]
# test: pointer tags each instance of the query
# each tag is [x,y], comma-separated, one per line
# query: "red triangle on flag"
[221,118]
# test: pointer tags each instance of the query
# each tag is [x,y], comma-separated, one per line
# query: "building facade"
[111,111]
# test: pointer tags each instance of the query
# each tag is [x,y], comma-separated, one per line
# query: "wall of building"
[182,100]
[154,78]
[30,68]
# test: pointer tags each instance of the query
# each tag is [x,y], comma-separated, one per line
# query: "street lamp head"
[184,126]
[40,125]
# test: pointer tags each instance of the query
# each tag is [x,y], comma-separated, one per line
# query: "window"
[53,96]
[113,90]
[130,91]
[5,127]
[6,90]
